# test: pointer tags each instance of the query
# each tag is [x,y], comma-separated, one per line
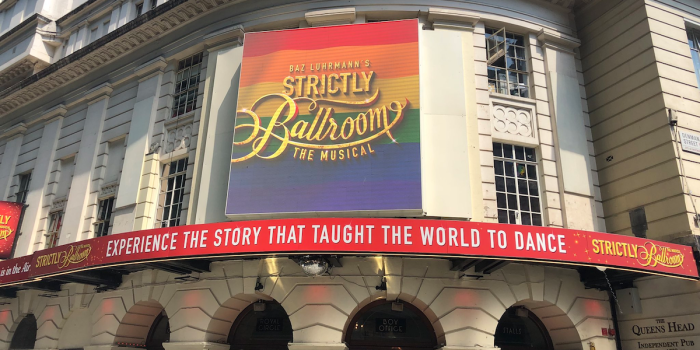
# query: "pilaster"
[138,141]
[79,198]
[14,136]
[216,127]
[28,239]
[568,130]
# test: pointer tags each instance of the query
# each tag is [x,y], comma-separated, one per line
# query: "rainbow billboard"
[328,120]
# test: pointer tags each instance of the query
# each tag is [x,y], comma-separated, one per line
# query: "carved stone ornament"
[59,204]
[178,138]
[109,189]
[512,120]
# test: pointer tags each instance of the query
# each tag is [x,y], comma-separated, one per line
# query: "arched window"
[520,329]
[25,334]
[261,326]
[159,333]
[384,325]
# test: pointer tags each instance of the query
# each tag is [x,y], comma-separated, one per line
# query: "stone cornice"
[15,130]
[558,41]
[135,34]
[155,65]
[50,114]
[452,18]
[345,15]
[20,67]
[228,36]
[98,92]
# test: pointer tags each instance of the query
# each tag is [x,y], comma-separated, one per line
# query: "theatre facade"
[215,174]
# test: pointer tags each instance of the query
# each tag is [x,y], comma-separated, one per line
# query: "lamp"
[313,265]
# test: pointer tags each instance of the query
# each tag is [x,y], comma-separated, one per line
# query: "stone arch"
[423,322]
[9,320]
[224,317]
[24,335]
[561,330]
[405,298]
[136,323]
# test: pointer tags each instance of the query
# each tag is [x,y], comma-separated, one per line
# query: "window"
[21,196]
[507,63]
[94,34]
[694,42]
[154,3]
[139,9]
[103,224]
[55,224]
[105,28]
[517,190]
[186,85]
[172,190]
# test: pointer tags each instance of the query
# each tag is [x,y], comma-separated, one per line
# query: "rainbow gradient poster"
[328,120]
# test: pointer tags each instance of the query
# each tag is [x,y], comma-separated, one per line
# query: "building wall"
[636,65]
[111,103]
[590,99]
[463,311]
[666,311]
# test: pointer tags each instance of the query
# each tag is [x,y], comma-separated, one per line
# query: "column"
[40,180]
[14,136]
[138,141]
[444,136]
[125,13]
[114,19]
[216,127]
[80,194]
[569,130]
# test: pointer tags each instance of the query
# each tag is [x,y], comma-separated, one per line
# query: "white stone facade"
[99,115]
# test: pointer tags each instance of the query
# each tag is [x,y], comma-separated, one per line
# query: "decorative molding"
[452,19]
[558,41]
[102,90]
[22,66]
[50,114]
[156,65]
[178,138]
[59,203]
[125,39]
[228,36]
[345,15]
[15,130]
[109,189]
[514,119]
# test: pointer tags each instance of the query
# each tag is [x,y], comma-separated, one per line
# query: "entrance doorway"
[261,326]
[520,329]
[384,325]
[159,332]
[25,334]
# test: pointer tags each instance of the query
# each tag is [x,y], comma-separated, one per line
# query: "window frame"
[525,91]
[138,8]
[53,234]
[693,34]
[189,91]
[166,203]
[518,193]
[102,219]
[23,192]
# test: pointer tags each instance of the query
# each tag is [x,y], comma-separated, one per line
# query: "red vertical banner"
[9,221]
